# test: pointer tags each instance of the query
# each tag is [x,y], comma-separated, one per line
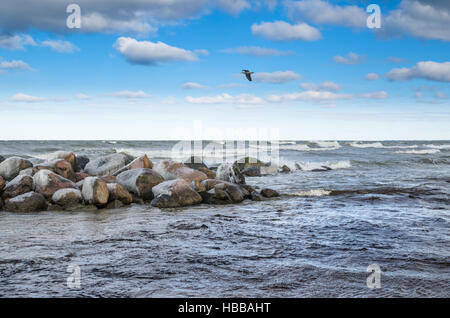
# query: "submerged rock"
[230,173]
[67,197]
[107,164]
[170,170]
[284,169]
[95,191]
[47,183]
[10,168]
[174,193]
[17,186]
[269,193]
[119,193]
[140,181]
[27,202]
[223,192]
[141,162]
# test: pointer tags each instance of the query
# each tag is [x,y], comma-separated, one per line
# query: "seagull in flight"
[248,74]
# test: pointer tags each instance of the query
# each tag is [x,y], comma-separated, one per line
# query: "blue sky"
[143,69]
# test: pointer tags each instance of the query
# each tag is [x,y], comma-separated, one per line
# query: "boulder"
[2,184]
[2,159]
[284,169]
[140,162]
[230,173]
[67,197]
[249,162]
[119,193]
[47,183]
[95,191]
[58,166]
[1,203]
[80,176]
[10,168]
[170,170]
[252,171]
[195,163]
[108,179]
[17,186]
[107,164]
[27,202]
[222,192]
[209,173]
[174,193]
[64,155]
[140,181]
[269,193]
[255,196]
[80,163]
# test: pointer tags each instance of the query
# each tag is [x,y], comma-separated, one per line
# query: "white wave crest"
[309,166]
[438,146]
[312,193]
[327,144]
[420,152]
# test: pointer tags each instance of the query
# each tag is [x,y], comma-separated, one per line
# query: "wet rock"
[64,155]
[10,168]
[140,181]
[2,159]
[17,186]
[170,170]
[209,173]
[80,163]
[322,168]
[107,165]
[230,173]
[47,183]
[109,179]
[249,162]
[58,166]
[27,202]
[252,171]
[195,163]
[284,169]
[119,193]
[2,184]
[67,197]
[95,191]
[80,176]
[174,193]
[222,192]
[269,193]
[141,162]
[255,196]
[249,188]
[1,203]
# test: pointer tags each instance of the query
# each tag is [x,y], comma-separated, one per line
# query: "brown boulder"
[67,197]
[170,170]
[140,162]
[269,193]
[174,193]
[95,191]
[27,202]
[2,184]
[17,186]
[80,176]
[10,167]
[140,181]
[117,192]
[47,183]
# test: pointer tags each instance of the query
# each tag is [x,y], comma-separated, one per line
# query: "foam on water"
[419,152]
[311,193]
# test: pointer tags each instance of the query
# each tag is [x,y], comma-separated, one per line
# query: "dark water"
[382,203]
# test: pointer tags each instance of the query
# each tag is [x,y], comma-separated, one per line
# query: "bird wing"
[249,77]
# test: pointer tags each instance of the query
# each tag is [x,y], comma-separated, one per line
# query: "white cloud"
[350,59]
[422,19]
[20,97]
[130,94]
[322,12]
[82,96]
[372,76]
[191,85]
[375,95]
[257,51]
[283,31]
[430,70]
[150,53]
[16,42]
[325,86]
[233,6]
[14,65]
[278,77]
[311,96]
[226,99]
[60,46]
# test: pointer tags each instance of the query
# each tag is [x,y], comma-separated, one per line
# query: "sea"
[350,213]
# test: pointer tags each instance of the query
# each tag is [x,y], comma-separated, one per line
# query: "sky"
[155,69]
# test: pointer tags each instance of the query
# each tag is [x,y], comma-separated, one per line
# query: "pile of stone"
[70,182]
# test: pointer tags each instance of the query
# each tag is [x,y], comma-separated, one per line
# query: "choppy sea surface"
[384,203]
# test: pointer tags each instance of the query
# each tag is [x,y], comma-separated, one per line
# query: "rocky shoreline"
[70,182]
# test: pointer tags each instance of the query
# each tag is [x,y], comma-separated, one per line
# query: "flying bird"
[248,74]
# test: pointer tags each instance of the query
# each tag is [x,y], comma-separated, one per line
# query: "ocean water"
[385,203]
